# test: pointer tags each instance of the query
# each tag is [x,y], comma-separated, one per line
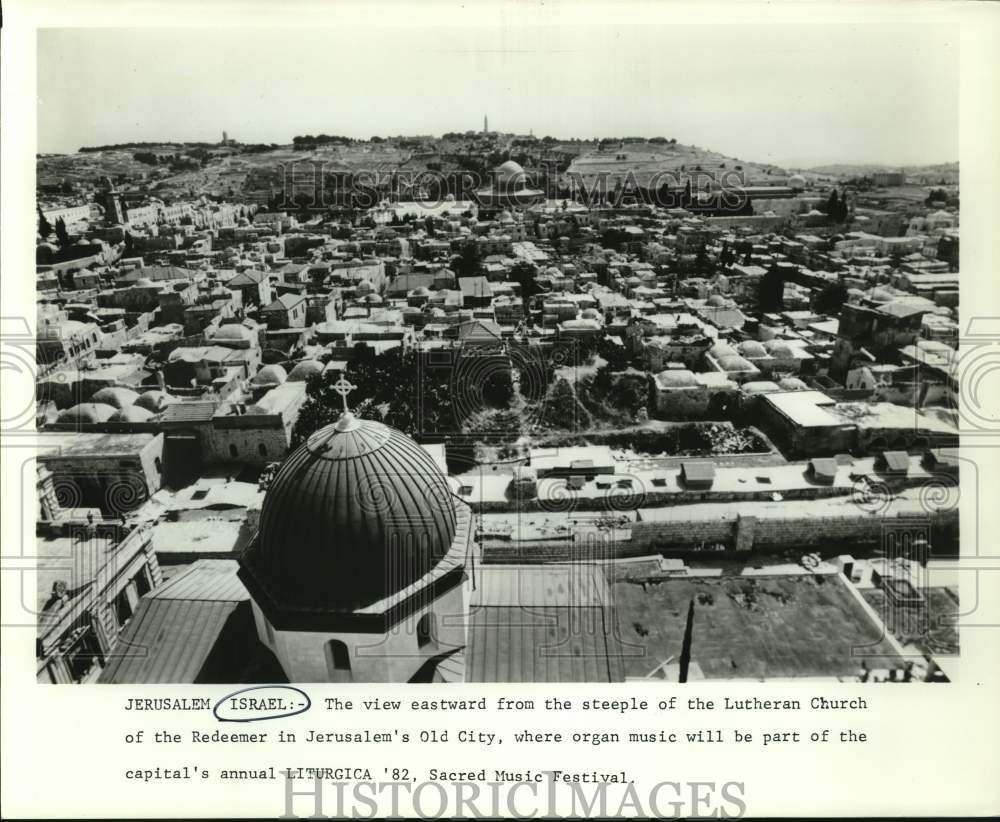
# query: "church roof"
[197,628]
[356,514]
[551,623]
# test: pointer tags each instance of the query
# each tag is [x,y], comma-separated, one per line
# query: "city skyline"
[617,82]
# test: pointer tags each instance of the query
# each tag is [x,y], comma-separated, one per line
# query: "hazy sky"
[788,94]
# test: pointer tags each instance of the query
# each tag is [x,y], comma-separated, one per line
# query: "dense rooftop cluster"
[570,330]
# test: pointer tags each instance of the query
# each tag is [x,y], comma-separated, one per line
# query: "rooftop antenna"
[685,659]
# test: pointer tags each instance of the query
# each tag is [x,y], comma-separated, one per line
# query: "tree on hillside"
[771,292]
[831,299]
[701,263]
[44,226]
[727,256]
[836,207]
[468,262]
[832,204]
[523,273]
[563,410]
[61,233]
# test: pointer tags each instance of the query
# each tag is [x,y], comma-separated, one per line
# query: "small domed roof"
[153,401]
[420,291]
[734,362]
[304,370]
[232,331]
[751,349]
[797,181]
[144,282]
[590,314]
[115,397]
[792,384]
[676,378]
[87,413]
[716,301]
[355,514]
[131,414]
[270,375]
[759,387]
[882,295]
[722,349]
[778,347]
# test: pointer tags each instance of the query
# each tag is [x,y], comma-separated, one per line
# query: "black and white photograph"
[366,351]
[467,400]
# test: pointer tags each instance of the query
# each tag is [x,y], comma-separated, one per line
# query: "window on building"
[233,452]
[123,609]
[142,582]
[338,659]
[262,450]
[425,630]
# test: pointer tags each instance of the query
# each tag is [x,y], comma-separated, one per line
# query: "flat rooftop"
[76,444]
[750,627]
[806,408]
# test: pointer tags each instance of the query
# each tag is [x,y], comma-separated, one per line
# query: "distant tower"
[486,124]
[225,139]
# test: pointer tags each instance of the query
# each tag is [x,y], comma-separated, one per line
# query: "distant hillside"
[643,161]
[862,169]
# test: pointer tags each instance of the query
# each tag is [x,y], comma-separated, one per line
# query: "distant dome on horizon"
[510,175]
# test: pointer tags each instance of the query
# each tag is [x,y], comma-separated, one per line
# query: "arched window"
[338,660]
[262,450]
[425,630]
[158,464]
[232,451]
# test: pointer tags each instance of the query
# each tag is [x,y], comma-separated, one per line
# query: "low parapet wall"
[740,535]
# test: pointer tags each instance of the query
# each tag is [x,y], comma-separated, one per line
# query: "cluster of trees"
[45,229]
[770,295]
[158,144]
[191,160]
[386,390]
[938,195]
[259,148]
[607,141]
[310,141]
[426,403]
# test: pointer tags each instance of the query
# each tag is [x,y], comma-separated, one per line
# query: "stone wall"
[739,534]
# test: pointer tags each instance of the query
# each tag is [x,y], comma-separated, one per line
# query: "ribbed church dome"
[357,513]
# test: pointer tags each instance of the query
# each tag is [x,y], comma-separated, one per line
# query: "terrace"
[760,627]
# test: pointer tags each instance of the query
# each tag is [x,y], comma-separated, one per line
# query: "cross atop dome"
[347,420]
[344,387]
